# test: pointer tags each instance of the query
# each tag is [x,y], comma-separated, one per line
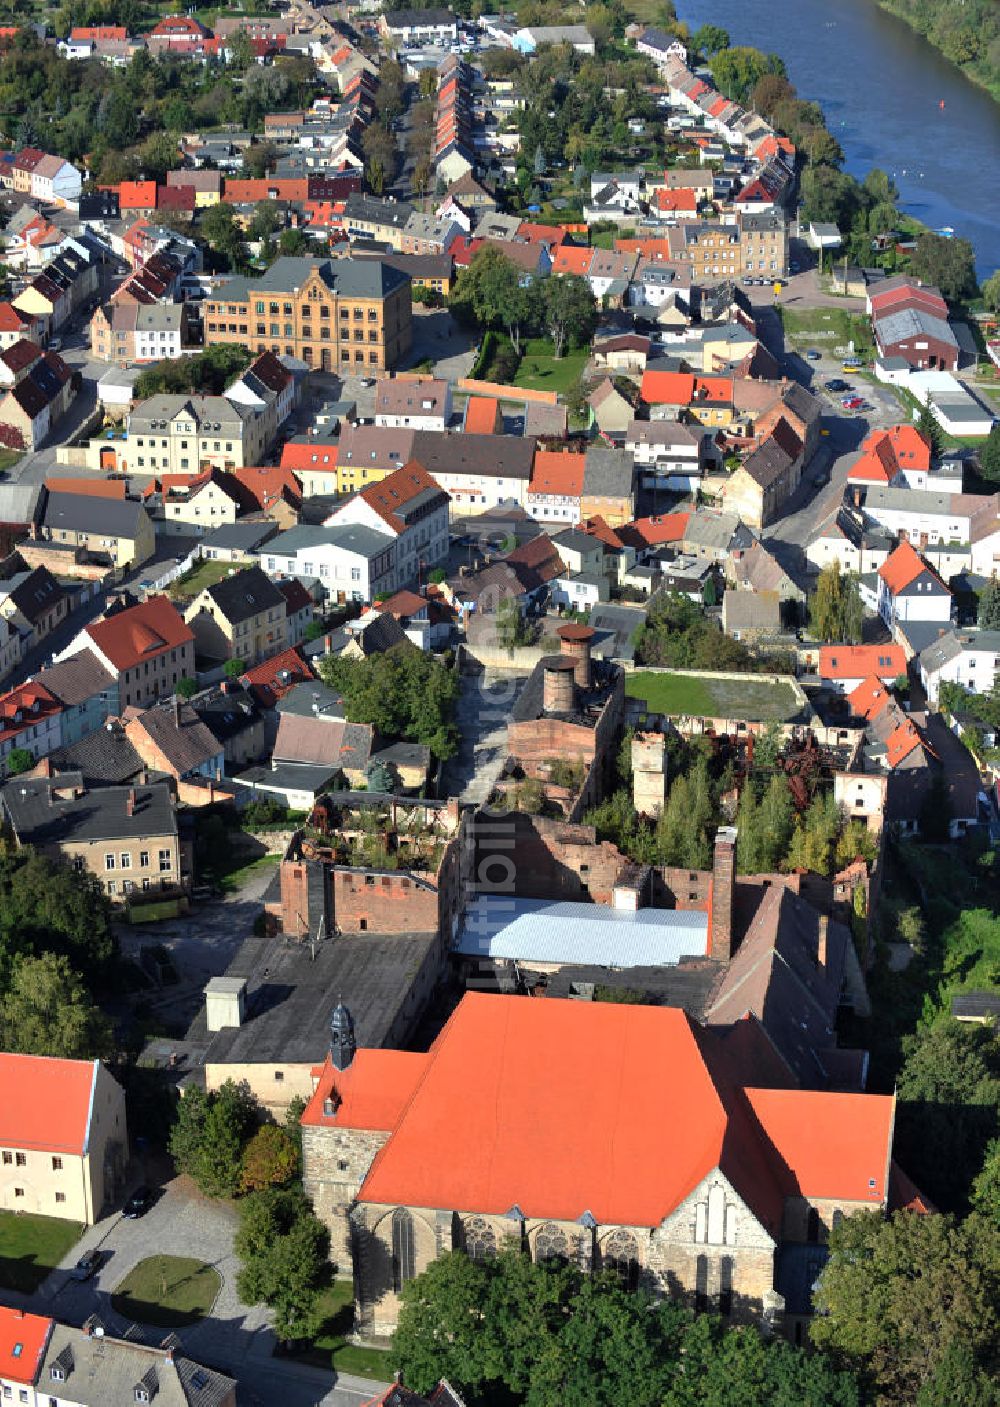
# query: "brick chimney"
[558,687]
[822,941]
[720,923]
[177,711]
[130,802]
[575,645]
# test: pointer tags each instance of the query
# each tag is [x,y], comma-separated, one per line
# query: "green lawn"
[756,700]
[331,1345]
[31,1246]
[8,458]
[205,573]
[539,370]
[168,1291]
[234,880]
[828,327]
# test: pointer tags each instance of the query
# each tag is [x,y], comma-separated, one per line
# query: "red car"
[853,403]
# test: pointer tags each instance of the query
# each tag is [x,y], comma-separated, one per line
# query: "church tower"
[343,1045]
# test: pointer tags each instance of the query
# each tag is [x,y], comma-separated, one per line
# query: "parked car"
[853,403]
[87,1266]
[794,267]
[837,385]
[813,355]
[139,1203]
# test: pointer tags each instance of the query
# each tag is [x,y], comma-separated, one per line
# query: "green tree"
[709,39]
[266,219]
[776,819]
[283,1248]
[19,759]
[948,1093]
[47,906]
[948,263]
[402,692]
[489,292]
[835,609]
[219,228]
[989,456]
[270,1159]
[570,312]
[186,688]
[443,1329]
[47,1010]
[988,613]
[898,1295]
[209,1136]
[991,292]
[293,243]
[738,70]
[512,629]
[928,425]
[240,51]
[234,669]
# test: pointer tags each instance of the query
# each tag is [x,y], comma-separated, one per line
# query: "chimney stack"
[130,802]
[177,711]
[720,922]
[822,940]
[558,686]
[575,644]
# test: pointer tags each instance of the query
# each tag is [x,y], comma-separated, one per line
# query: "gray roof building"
[245,594]
[95,1370]
[85,513]
[350,278]
[47,811]
[608,473]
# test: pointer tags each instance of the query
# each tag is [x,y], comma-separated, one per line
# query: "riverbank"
[965,36]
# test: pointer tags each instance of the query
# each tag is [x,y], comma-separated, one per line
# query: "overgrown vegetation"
[678,634]
[208,373]
[401,692]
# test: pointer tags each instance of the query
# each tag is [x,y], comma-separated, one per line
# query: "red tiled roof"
[137,195]
[901,742]
[140,632]
[653,532]
[314,454]
[557,471]
[902,567]
[259,486]
[481,413]
[404,603]
[23,1339]
[94,488]
[869,698]
[46,1103]
[264,682]
[681,388]
[487,1119]
[23,707]
[861,661]
[398,489]
[572,259]
[597,527]
[831,1145]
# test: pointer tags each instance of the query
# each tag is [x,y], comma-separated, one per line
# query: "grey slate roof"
[913,322]
[100,1371]
[83,512]
[72,681]
[441,453]
[608,472]
[955,642]
[364,541]
[94,815]
[102,758]
[186,747]
[242,596]
[351,278]
[240,537]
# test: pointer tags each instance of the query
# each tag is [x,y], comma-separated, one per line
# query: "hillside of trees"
[966,31]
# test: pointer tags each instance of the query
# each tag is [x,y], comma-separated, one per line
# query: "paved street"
[236,1338]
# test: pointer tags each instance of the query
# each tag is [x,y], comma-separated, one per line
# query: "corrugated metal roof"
[527,930]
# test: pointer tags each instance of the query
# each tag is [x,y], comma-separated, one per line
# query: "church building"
[610,1135]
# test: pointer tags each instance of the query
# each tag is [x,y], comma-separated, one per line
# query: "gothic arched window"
[551,1242]
[621,1254]
[403,1258]
[480,1238]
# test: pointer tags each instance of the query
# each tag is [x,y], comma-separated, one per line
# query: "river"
[881,87]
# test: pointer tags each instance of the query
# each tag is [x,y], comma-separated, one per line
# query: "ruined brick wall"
[535,857]
[383,901]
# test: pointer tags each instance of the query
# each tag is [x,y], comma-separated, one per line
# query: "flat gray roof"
[496,926]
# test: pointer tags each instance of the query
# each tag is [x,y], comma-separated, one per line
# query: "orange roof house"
[23,1340]
[483,416]
[139,634]
[655,532]
[846,666]
[557,472]
[902,567]
[886,455]
[272,678]
[870,698]
[557,1111]
[137,195]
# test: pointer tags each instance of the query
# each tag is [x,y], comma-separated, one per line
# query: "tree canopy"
[283,1247]
[208,373]
[210,1134]
[48,906]
[835,609]
[913,1304]
[949,263]
[47,1010]
[509,1329]
[401,692]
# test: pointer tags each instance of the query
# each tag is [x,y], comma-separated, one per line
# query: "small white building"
[970,658]
[350,563]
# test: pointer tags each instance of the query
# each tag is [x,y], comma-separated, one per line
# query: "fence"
[177,570]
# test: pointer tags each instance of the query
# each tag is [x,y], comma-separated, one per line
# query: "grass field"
[756,700]
[31,1246]
[206,573]
[539,370]
[830,327]
[331,1345]
[234,880]
[8,458]
[168,1291]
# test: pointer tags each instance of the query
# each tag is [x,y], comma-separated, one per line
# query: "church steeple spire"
[342,1041]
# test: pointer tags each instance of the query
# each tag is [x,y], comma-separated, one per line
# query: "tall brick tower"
[720,938]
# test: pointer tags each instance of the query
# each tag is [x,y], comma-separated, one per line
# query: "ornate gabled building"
[611,1135]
